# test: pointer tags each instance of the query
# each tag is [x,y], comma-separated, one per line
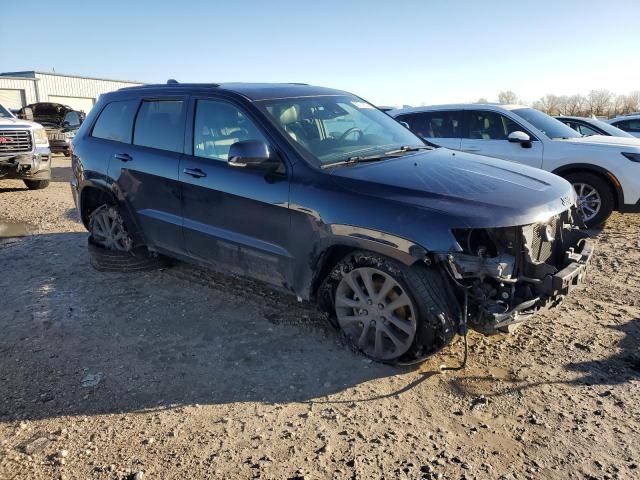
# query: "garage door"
[12,98]
[82,104]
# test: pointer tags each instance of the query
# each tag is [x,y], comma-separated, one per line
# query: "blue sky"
[389,52]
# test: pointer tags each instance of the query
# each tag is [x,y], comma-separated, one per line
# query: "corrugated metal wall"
[38,86]
[68,86]
[26,86]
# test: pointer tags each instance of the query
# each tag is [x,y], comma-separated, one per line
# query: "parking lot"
[174,374]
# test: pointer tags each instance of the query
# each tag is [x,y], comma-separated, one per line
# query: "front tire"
[36,184]
[596,199]
[388,311]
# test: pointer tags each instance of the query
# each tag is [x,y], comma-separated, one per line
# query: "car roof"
[630,116]
[574,117]
[251,91]
[456,106]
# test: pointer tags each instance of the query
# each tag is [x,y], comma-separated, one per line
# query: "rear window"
[116,121]
[160,124]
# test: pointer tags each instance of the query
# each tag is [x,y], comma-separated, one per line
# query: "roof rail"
[170,84]
[298,83]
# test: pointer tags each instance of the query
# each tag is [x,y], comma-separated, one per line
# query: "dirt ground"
[186,374]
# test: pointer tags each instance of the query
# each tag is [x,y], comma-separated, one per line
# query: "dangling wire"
[464,329]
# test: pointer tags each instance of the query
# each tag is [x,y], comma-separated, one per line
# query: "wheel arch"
[330,251]
[95,194]
[603,173]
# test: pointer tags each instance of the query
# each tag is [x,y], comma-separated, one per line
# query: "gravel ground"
[180,374]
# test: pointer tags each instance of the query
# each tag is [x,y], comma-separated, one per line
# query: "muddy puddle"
[10,231]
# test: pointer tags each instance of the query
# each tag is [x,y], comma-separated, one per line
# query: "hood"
[16,123]
[480,192]
[603,140]
[49,113]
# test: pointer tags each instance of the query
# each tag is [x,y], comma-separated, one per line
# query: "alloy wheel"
[376,313]
[589,201]
[108,230]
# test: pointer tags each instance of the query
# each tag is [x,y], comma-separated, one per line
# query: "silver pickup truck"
[24,151]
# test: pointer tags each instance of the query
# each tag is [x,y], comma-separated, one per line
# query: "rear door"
[486,133]
[146,170]
[442,128]
[235,218]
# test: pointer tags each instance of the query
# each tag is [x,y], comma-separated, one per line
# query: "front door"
[486,132]
[234,218]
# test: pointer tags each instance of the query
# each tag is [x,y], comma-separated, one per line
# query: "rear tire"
[596,199]
[36,184]
[111,248]
[375,300]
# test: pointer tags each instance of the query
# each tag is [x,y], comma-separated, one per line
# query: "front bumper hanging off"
[554,288]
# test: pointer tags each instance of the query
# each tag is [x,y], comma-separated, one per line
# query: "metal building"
[18,89]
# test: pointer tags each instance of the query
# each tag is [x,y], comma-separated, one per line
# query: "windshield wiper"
[407,148]
[379,156]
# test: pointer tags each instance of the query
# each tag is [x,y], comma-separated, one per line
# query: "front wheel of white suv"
[596,199]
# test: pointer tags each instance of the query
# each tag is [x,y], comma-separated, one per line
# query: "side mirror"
[520,137]
[252,154]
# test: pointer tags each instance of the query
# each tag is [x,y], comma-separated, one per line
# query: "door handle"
[195,172]
[123,157]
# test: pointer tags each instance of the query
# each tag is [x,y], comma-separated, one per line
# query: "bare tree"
[629,103]
[549,104]
[482,100]
[508,97]
[599,102]
[575,105]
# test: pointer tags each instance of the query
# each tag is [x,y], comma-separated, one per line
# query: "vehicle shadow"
[60,174]
[79,342]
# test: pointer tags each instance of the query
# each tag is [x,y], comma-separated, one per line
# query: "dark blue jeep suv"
[317,192]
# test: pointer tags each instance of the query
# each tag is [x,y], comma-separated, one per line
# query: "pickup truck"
[24,151]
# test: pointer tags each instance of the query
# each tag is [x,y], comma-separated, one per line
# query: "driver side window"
[217,126]
[490,126]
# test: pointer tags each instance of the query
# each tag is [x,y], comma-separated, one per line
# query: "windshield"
[551,127]
[4,113]
[610,129]
[340,128]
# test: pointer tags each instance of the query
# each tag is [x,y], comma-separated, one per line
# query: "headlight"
[634,157]
[69,134]
[40,136]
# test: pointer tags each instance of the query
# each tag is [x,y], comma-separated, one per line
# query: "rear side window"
[116,121]
[434,124]
[160,124]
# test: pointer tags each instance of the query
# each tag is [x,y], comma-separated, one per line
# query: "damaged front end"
[511,273]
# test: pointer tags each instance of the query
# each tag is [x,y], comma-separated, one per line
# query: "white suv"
[605,171]
[629,123]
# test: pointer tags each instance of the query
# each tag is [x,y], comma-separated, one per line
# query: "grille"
[15,141]
[541,249]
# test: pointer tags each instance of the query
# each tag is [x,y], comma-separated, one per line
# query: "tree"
[549,104]
[599,102]
[576,105]
[507,97]
[482,100]
[629,103]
